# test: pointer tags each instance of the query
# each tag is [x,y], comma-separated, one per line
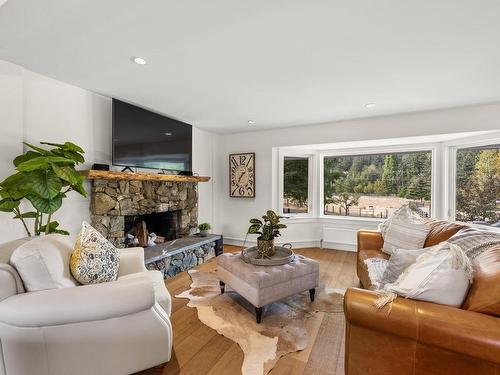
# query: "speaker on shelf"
[100,167]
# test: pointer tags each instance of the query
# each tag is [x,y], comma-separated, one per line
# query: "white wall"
[36,108]
[236,212]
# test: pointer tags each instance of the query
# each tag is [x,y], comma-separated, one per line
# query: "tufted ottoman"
[261,285]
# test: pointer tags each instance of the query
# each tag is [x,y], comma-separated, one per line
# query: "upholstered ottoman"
[262,285]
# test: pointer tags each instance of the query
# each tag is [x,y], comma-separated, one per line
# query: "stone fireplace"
[117,204]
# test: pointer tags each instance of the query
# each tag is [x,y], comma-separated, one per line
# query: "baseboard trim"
[296,244]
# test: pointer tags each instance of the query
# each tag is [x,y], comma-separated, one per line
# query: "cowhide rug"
[281,331]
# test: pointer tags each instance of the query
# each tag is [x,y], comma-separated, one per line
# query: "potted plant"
[268,228]
[43,178]
[204,228]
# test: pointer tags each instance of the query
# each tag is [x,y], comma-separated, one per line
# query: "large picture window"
[295,185]
[478,185]
[376,185]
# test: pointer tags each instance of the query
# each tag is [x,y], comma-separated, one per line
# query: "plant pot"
[203,233]
[265,248]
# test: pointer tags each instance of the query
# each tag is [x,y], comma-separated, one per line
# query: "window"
[478,185]
[295,185]
[376,185]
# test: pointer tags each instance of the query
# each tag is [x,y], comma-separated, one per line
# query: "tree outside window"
[376,185]
[478,185]
[295,184]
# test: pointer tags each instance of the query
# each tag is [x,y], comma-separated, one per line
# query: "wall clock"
[242,175]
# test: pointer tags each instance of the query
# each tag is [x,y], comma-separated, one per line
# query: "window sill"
[331,219]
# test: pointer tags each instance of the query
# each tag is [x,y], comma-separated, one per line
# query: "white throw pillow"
[400,260]
[383,226]
[43,263]
[95,259]
[405,231]
[376,268]
[441,275]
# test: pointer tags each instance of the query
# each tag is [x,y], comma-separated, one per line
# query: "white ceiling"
[217,64]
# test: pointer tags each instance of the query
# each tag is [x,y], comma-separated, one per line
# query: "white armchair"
[118,327]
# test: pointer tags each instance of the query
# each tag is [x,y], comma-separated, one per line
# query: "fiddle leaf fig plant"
[43,178]
[269,227]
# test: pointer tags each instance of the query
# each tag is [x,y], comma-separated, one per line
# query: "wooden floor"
[199,349]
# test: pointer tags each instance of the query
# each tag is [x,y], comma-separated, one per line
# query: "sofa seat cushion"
[441,230]
[43,263]
[484,294]
[162,296]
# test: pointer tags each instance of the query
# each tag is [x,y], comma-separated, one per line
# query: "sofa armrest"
[131,261]
[460,331]
[370,240]
[10,282]
[78,304]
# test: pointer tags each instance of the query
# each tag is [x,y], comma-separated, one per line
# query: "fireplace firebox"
[164,224]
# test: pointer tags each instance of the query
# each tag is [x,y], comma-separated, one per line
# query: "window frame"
[450,183]
[316,177]
[311,183]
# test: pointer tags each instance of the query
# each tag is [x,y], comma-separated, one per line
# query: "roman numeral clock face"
[242,175]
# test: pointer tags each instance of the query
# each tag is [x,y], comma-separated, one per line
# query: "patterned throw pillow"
[95,259]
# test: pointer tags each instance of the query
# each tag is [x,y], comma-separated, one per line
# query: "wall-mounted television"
[145,139]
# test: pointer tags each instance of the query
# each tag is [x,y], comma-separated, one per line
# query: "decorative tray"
[282,256]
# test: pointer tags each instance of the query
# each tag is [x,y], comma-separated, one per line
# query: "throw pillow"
[383,226]
[474,241]
[376,268]
[400,260]
[441,275]
[43,263]
[405,231]
[95,259]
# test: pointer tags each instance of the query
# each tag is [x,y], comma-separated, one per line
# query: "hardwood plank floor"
[198,349]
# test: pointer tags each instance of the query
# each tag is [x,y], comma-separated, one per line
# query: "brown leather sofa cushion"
[484,294]
[441,230]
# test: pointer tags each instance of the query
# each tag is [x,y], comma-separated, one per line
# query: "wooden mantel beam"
[141,176]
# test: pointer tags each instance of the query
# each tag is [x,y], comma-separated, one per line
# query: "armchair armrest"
[370,240]
[78,304]
[10,282]
[460,331]
[131,261]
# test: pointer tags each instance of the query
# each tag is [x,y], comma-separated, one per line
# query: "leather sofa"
[419,337]
[118,327]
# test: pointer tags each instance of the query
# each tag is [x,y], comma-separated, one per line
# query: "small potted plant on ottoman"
[204,228]
[269,229]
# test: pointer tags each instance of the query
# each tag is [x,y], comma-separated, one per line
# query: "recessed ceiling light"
[139,60]
[370,105]
[168,134]
[251,122]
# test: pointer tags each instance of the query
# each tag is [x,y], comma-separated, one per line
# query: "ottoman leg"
[222,286]
[312,292]
[258,314]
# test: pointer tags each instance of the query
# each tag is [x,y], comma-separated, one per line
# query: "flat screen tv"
[145,139]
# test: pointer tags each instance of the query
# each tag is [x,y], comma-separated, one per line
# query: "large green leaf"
[79,188]
[27,215]
[46,206]
[53,228]
[25,157]
[7,205]
[45,183]
[42,162]
[15,186]
[38,149]
[67,146]
[75,156]
[67,174]
[255,221]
